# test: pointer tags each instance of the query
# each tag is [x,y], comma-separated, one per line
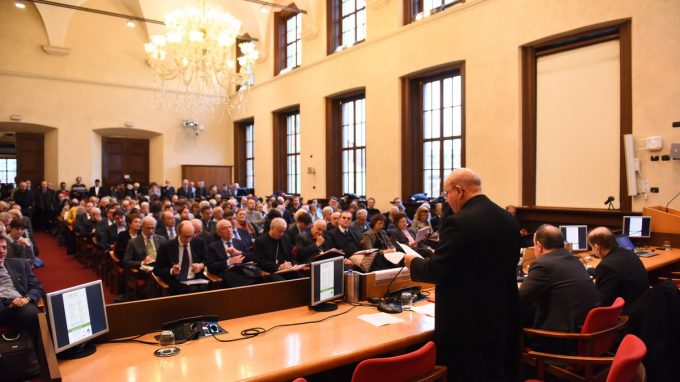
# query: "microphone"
[669,202]
[609,200]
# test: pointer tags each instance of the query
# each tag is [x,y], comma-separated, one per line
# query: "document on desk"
[427,309]
[380,319]
[293,268]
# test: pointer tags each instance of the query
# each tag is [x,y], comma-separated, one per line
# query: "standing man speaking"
[474,269]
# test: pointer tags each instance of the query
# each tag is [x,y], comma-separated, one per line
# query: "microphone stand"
[669,202]
[610,205]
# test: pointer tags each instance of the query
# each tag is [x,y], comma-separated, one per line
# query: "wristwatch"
[29,299]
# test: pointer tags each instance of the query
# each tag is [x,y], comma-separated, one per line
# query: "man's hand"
[320,240]
[233,251]
[238,259]
[174,270]
[285,265]
[197,267]
[148,260]
[24,241]
[19,302]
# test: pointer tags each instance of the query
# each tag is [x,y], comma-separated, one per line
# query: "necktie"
[171,233]
[150,250]
[184,268]
[236,235]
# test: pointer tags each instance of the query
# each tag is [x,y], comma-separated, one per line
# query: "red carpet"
[61,270]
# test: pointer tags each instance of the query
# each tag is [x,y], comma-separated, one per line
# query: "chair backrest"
[599,319]
[627,359]
[402,368]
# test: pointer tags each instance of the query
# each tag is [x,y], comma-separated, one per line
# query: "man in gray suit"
[558,287]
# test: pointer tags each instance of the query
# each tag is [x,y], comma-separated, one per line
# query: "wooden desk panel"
[280,355]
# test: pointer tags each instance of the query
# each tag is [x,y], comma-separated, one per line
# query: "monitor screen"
[327,279]
[77,315]
[637,226]
[577,235]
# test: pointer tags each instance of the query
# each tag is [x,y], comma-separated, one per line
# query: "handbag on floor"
[18,360]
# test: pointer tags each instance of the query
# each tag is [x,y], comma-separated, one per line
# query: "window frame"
[281,153]
[10,176]
[280,40]
[334,149]
[334,25]
[413,7]
[412,124]
[241,151]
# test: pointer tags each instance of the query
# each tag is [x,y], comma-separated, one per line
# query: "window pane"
[427,125]
[427,96]
[436,95]
[457,92]
[457,153]
[361,25]
[447,153]
[457,121]
[448,122]
[436,123]
[427,155]
[347,7]
[436,152]
[448,92]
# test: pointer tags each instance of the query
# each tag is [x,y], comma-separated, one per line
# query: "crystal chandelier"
[194,61]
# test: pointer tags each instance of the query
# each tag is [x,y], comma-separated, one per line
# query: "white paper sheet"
[409,250]
[380,319]
[426,309]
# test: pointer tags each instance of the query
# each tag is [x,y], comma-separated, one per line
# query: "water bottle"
[352,286]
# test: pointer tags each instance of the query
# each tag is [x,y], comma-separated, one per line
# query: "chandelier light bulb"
[20,5]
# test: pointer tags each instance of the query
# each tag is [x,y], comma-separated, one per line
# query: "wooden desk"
[663,259]
[280,355]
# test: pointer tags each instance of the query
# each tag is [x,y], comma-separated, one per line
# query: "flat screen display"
[637,226]
[577,235]
[327,279]
[77,315]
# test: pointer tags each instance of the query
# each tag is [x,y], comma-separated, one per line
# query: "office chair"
[418,365]
[626,365]
[597,337]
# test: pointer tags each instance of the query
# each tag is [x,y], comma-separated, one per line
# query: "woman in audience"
[376,237]
[400,233]
[134,224]
[421,219]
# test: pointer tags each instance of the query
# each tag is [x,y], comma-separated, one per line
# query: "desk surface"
[663,259]
[282,354]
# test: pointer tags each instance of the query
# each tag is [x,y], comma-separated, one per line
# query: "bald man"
[310,244]
[620,273]
[179,261]
[474,268]
[272,251]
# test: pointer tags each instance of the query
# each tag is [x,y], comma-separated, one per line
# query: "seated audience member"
[167,226]
[180,262]
[238,233]
[334,221]
[312,243]
[376,237]
[17,245]
[205,237]
[272,251]
[558,288]
[271,215]
[360,225]
[315,210]
[119,225]
[390,217]
[226,258]
[253,216]
[620,273]
[370,208]
[436,218]
[326,213]
[143,248]
[343,238]
[217,215]
[20,290]
[421,219]
[134,223]
[302,222]
[206,217]
[400,233]
[244,224]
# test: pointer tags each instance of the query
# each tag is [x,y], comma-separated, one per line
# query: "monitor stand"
[80,351]
[324,307]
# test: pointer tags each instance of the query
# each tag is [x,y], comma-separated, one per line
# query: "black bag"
[18,360]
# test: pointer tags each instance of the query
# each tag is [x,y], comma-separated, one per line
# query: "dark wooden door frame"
[127,157]
[589,35]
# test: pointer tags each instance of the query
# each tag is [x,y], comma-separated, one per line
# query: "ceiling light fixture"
[194,61]
[130,24]
[264,10]
[20,5]
[279,6]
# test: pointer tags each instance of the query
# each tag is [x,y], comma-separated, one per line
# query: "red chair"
[415,366]
[597,337]
[626,365]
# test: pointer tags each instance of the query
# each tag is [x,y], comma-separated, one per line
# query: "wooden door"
[123,156]
[30,157]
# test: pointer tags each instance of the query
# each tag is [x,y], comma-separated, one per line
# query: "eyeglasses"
[460,190]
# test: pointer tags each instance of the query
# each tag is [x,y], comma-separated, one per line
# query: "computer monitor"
[577,235]
[637,226]
[327,283]
[77,315]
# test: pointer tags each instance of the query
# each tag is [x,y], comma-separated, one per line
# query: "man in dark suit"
[202,191]
[343,238]
[168,190]
[186,191]
[620,273]
[142,249]
[239,233]
[474,268]
[97,190]
[557,287]
[180,262]
[272,252]
[227,256]
[118,226]
[86,223]
[301,225]
[167,226]
[310,244]
[19,292]
[24,198]
[360,224]
[45,202]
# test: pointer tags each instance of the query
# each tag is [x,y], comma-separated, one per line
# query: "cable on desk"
[132,339]
[254,332]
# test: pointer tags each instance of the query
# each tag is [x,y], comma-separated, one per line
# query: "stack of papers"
[380,319]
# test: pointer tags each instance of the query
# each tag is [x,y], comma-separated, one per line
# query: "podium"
[665,225]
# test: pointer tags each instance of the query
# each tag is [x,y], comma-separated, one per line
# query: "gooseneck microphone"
[669,202]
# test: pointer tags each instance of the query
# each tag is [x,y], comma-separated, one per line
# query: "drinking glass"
[166,339]
[406,300]
[667,245]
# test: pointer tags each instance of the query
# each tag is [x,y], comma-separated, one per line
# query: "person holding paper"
[474,268]
[272,252]
[312,243]
[180,261]
[226,257]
